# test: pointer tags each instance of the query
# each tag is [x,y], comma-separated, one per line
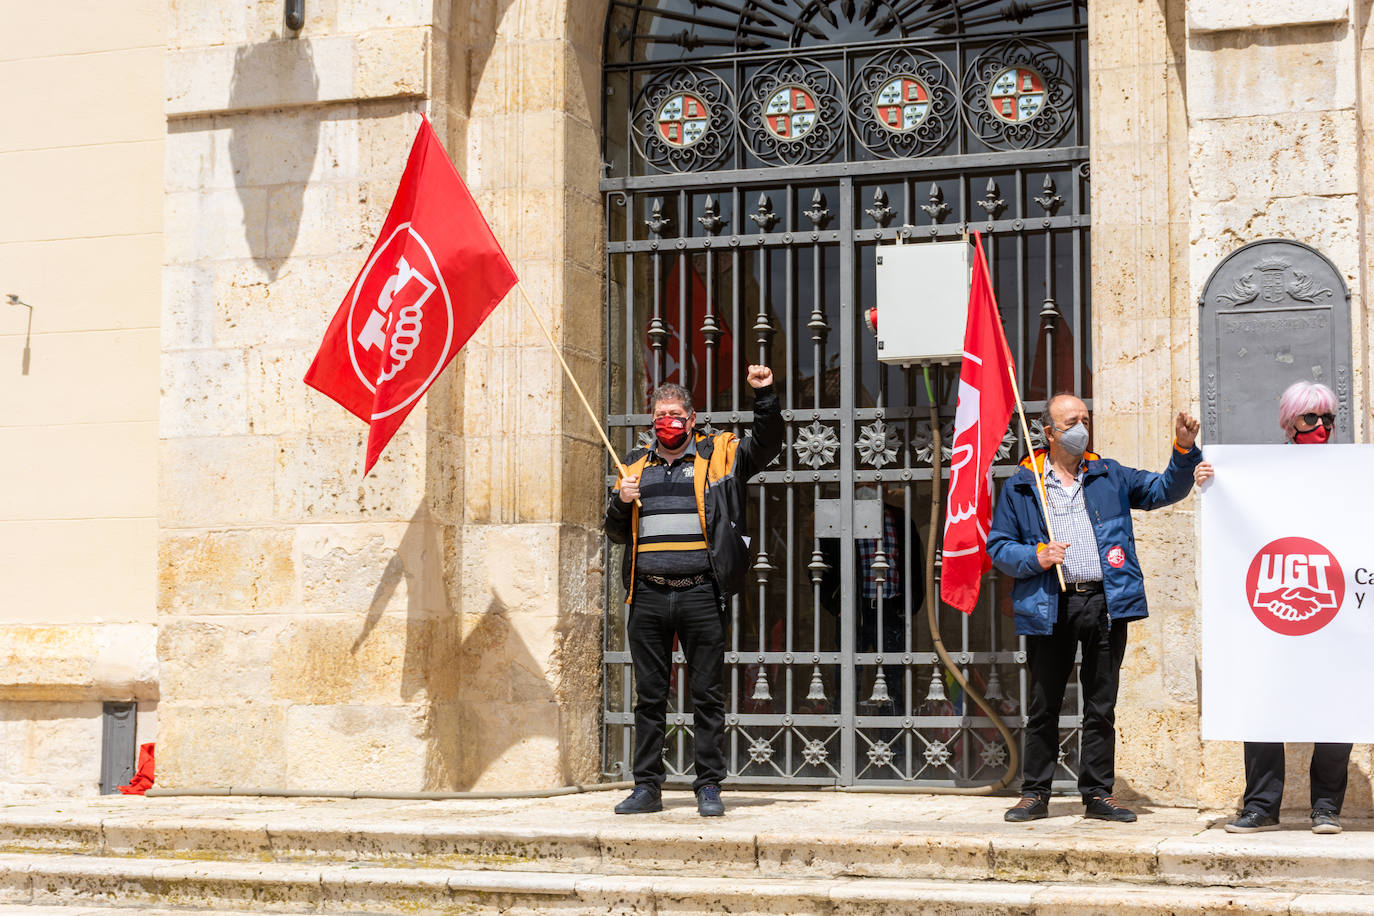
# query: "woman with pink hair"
[1307,415]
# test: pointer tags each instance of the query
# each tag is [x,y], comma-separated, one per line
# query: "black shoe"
[1324,820]
[1105,808]
[1029,808]
[708,801]
[643,800]
[1255,821]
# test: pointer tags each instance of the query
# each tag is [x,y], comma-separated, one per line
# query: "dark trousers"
[693,614]
[1082,621]
[1264,776]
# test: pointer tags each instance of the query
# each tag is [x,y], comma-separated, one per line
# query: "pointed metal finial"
[818,214]
[657,222]
[937,208]
[765,217]
[1048,200]
[711,221]
[992,201]
[882,214]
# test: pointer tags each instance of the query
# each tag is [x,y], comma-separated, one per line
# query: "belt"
[1084,588]
[676,581]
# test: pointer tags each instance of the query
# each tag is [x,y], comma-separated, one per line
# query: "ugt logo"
[1295,586]
[397,326]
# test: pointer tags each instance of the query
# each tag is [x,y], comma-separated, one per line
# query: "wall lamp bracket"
[295,15]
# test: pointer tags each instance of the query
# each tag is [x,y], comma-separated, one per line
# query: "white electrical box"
[922,301]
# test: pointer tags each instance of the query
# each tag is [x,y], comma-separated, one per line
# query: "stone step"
[779,837]
[69,884]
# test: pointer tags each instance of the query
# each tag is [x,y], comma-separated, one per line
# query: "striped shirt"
[1072,526]
[671,542]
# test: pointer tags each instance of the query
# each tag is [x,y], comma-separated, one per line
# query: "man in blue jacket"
[1090,501]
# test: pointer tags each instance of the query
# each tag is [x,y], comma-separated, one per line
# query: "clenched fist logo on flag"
[986,401]
[434,275]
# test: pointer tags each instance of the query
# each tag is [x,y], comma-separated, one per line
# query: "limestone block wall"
[302,619]
[80,243]
[434,625]
[1274,130]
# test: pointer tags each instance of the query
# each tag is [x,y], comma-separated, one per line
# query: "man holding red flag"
[1089,500]
[434,275]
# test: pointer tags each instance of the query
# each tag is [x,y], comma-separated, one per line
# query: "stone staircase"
[774,853]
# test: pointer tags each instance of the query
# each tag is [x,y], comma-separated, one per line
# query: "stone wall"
[430,626]
[1214,124]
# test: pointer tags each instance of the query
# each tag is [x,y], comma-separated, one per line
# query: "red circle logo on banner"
[1117,557]
[1295,586]
[398,328]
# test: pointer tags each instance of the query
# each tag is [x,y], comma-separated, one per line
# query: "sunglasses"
[1325,419]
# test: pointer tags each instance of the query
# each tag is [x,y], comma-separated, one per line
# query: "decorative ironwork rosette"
[682,121]
[903,103]
[791,112]
[1018,95]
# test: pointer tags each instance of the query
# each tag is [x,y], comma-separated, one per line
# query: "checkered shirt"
[868,547]
[1072,526]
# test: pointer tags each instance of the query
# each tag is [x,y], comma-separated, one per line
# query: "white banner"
[1287,565]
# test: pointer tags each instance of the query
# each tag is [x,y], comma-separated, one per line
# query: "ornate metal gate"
[759,154]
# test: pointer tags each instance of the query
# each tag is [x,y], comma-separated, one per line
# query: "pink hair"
[1304,397]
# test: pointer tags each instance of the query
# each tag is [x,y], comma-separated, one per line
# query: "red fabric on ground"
[143,777]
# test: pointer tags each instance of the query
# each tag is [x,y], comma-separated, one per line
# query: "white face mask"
[1073,440]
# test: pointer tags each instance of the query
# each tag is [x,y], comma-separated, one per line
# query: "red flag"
[986,401]
[434,275]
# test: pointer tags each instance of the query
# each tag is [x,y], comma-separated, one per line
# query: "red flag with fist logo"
[434,275]
[986,402]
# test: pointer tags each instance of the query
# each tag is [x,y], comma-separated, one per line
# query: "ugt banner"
[1288,593]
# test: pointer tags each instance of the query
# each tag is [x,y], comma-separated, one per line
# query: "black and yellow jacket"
[724,462]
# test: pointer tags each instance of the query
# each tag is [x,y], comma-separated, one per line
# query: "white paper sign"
[1287,565]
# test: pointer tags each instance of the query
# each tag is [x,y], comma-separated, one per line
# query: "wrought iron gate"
[759,154]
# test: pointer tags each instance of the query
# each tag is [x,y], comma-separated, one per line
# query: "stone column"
[1144,349]
[1274,131]
[529,577]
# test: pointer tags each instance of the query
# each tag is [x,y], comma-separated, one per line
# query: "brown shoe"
[1029,808]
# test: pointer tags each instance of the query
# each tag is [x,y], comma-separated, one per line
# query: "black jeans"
[1082,621]
[693,614]
[1264,776]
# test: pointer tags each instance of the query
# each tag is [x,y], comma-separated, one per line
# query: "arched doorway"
[759,154]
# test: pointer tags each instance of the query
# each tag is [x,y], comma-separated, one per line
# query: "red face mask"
[671,431]
[1314,436]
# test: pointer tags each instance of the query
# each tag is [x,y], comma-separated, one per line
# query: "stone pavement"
[800,852]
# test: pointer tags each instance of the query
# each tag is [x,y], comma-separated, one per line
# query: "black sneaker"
[708,801]
[1105,808]
[1325,820]
[1029,808]
[1255,821]
[643,800]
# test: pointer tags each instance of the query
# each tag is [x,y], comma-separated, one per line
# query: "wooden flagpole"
[596,422]
[1039,478]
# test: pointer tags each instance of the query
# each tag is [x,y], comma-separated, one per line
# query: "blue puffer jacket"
[1110,492]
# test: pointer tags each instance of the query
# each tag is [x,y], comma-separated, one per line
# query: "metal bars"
[830,671]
